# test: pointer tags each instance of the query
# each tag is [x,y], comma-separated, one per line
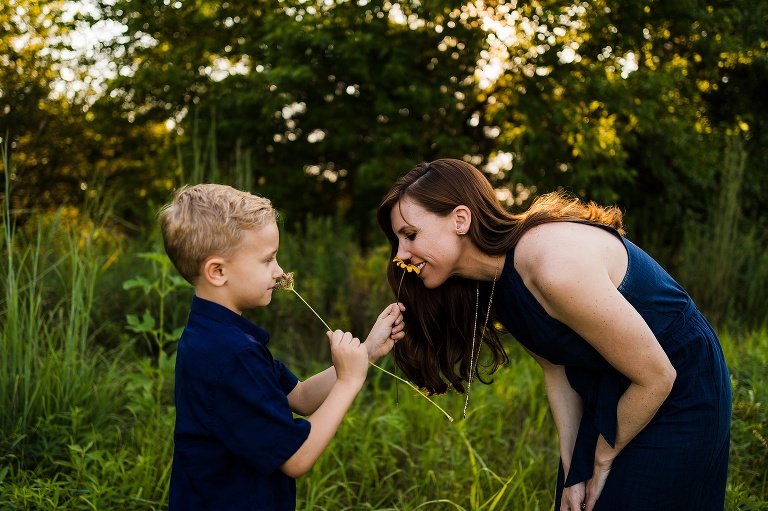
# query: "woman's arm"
[574,270]
[567,408]
[566,405]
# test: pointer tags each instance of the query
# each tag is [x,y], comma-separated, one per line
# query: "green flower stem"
[374,365]
[414,388]
[313,310]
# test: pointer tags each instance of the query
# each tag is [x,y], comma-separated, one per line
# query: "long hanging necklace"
[472,361]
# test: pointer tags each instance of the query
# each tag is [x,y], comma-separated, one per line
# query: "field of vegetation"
[89,321]
[107,106]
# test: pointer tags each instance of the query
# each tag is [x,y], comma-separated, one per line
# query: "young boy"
[237,445]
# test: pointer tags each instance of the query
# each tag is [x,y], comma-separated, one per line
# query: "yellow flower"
[402,264]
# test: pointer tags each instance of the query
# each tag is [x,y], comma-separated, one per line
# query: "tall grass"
[723,266]
[747,355]
[48,371]
[408,456]
[67,431]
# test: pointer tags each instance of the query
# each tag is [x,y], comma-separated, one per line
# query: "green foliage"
[82,428]
[626,103]
[50,374]
[632,103]
[46,88]
[747,355]
[416,459]
[336,96]
[166,282]
[722,267]
[321,105]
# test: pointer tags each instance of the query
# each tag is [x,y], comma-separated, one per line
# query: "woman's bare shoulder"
[564,247]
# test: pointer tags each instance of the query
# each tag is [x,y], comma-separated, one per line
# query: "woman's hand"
[597,483]
[387,330]
[573,497]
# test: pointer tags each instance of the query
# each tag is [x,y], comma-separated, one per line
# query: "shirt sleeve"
[252,417]
[286,379]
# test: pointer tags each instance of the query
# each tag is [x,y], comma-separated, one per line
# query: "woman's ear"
[213,271]
[462,218]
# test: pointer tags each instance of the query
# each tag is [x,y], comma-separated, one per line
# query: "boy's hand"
[387,330]
[350,358]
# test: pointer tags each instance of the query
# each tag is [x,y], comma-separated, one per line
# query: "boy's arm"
[308,395]
[350,359]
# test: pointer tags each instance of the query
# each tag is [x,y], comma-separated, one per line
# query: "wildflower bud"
[285,283]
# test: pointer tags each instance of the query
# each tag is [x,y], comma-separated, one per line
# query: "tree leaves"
[321,105]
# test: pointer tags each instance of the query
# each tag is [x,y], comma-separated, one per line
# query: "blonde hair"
[209,219]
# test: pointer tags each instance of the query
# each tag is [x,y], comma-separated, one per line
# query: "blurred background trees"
[321,104]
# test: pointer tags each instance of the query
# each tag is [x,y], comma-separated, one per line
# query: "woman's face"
[426,240]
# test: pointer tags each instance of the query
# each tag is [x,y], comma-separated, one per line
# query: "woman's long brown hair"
[439,322]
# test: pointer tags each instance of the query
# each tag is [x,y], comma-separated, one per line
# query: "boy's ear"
[213,271]
[462,218]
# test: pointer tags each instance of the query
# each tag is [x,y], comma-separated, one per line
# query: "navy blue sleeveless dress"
[679,461]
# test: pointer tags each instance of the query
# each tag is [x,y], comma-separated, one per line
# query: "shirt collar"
[221,314]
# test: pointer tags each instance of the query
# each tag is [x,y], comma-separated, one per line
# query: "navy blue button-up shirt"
[234,428]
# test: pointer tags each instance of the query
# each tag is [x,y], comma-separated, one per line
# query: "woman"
[635,375]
